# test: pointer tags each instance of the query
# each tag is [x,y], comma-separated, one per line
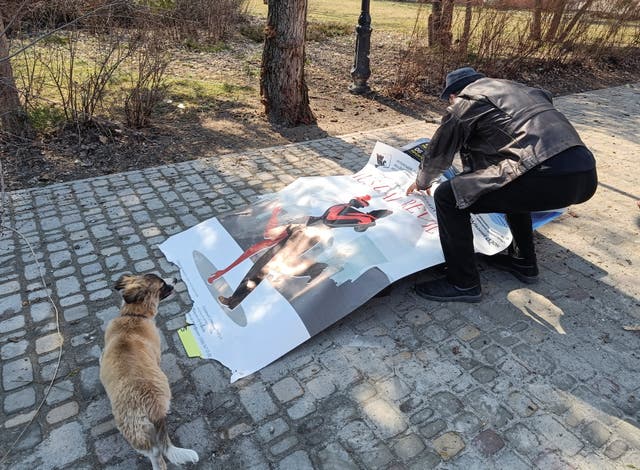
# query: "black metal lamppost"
[360,72]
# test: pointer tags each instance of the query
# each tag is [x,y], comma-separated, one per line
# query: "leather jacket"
[501,129]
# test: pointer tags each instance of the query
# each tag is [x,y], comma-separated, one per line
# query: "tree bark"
[558,12]
[440,21]
[446,36]
[536,21]
[13,119]
[435,20]
[466,31]
[283,90]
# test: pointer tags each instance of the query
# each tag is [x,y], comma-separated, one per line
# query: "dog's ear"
[134,294]
[121,283]
[133,291]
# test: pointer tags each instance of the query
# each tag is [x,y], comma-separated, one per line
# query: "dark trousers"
[533,191]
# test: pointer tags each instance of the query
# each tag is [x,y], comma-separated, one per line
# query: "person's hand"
[414,187]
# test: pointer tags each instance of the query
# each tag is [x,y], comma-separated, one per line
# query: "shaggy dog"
[130,371]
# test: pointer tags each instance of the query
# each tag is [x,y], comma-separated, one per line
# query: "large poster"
[266,279]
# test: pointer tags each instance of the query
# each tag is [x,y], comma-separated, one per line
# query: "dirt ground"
[240,125]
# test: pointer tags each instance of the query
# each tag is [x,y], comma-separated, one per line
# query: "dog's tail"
[163,445]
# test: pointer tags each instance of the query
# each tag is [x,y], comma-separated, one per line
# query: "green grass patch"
[194,45]
[387,16]
[319,31]
[253,32]
[45,117]
[194,92]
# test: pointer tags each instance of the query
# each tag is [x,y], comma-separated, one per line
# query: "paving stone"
[466,423]
[19,400]
[493,353]
[433,428]
[257,401]
[112,447]
[448,445]
[67,286]
[362,392]
[555,435]
[61,390]
[12,324]
[321,386]
[334,456]
[90,385]
[484,374]
[284,445]
[62,412]
[287,389]
[75,313]
[393,389]
[31,438]
[16,374]
[468,333]
[9,287]
[9,305]
[445,404]
[64,445]
[521,404]
[548,459]
[408,447]
[302,407]
[616,449]
[272,429]
[189,434]
[596,433]
[13,348]
[299,460]
[523,439]
[425,460]
[488,408]
[388,420]
[41,311]
[488,442]
[48,343]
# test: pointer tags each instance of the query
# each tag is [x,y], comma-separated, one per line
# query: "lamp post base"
[360,88]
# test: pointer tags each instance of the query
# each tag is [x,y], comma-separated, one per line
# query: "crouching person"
[520,155]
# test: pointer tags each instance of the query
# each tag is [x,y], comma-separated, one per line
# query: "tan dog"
[130,371]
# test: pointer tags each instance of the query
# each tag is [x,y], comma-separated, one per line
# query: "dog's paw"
[178,455]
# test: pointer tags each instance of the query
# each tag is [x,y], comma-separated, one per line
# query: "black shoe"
[443,291]
[526,271]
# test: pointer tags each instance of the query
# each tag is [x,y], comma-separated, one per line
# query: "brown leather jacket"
[502,129]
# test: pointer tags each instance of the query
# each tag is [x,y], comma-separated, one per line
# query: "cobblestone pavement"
[532,377]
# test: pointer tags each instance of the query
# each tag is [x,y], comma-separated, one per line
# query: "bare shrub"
[204,20]
[506,43]
[81,84]
[148,85]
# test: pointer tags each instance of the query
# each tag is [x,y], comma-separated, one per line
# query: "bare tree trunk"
[536,28]
[466,31]
[572,24]
[13,119]
[446,36]
[282,86]
[435,20]
[558,12]
[440,21]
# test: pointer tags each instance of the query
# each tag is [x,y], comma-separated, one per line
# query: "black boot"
[525,270]
[442,290]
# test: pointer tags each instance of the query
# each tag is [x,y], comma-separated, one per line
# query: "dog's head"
[144,289]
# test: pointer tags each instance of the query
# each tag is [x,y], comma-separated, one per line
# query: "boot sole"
[521,277]
[462,298]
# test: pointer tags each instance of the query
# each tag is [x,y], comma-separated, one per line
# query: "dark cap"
[458,79]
